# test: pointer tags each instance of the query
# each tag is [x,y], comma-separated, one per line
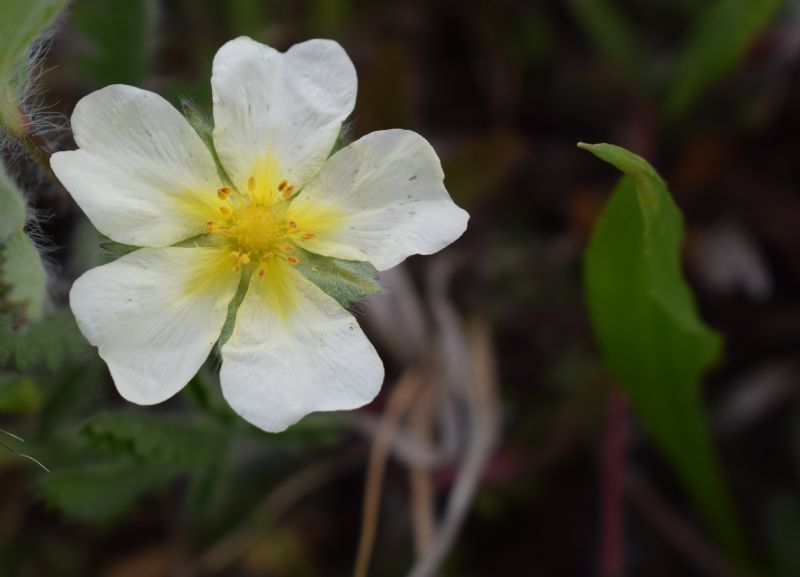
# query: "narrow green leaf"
[645,319]
[12,215]
[21,24]
[347,281]
[608,28]
[151,438]
[718,41]
[22,277]
[102,491]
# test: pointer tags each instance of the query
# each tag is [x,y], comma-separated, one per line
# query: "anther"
[309,235]
[282,185]
[292,261]
[234,255]
[244,259]
[251,184]
[237,268]
[261,273]
[287,192]
[212,226]
[292,224]
[286,248]
[224,210]
[223,193]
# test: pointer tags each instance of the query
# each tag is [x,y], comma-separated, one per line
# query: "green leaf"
[347,281]
[152,438]
[22,277]
[119,38]
[719,40]
[21,24]
[48,343]
[102,491]
[12,216]
[19,394]
[645,319]
[608,28]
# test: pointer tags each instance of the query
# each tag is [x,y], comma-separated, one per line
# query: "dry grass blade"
[423,520]
[484,430]
[400,400]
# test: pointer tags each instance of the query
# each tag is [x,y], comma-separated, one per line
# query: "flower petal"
[283,109]
[154,315]
[381,199]
[294,351]
[141,175]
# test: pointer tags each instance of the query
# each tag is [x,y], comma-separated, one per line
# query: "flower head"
[145,177]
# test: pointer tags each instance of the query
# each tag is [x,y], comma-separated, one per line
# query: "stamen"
[234,255]
[224,210]
[287,248]
[261,273]
[223,193]
[212,226]
[292,261]
[282,185]
[251,184]
[244,259]
[309,235]
[287,192]
[292,224]
[237,268]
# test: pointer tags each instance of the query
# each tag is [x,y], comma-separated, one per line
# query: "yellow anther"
[251,183]
[287,192]
[237,268]
[309,235]
[261,273]
[269,255]
[282,185]
[292,224]
[292,261]
[223,193]
[244,259]
[212,226]
[234,255]
[287,248]
[225,210]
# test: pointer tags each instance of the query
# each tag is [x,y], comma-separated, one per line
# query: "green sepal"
[347,281]
[203,125]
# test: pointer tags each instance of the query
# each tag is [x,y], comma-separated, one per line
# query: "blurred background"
[501,443]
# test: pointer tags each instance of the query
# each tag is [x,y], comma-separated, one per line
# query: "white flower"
[144,177]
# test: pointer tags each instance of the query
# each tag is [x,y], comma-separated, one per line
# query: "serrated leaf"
[347,281]
[645,319]
[48,343]
[22,276]
[19,394]
[12,215]
[151,438]
[99,492]
[21,24]
[718,41]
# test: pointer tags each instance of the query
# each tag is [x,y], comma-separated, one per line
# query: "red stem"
[614,448]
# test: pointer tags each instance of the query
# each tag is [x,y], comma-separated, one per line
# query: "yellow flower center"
[255,225]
